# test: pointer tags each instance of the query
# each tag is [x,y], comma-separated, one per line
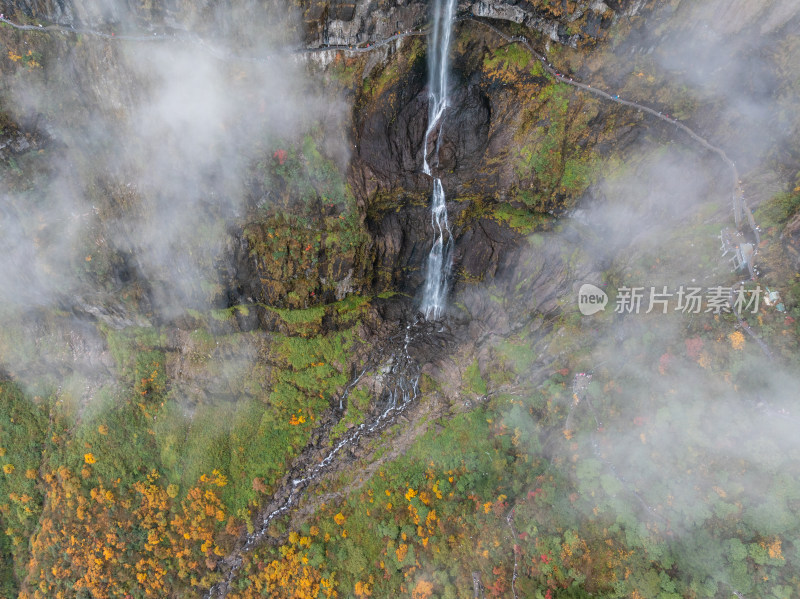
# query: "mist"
[149,152]
[676,437]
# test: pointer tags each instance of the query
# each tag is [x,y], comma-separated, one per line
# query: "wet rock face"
[464,133]
[387,170]
[93,13]
[392,134]
[566,24]
[335,22]
[402,242]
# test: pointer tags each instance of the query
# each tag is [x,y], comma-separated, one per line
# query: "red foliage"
[280,155]
[663,362]
[694,346]
[535,494]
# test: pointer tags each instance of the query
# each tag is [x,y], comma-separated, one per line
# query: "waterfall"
[440,258]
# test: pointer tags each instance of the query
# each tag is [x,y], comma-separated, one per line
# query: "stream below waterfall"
[398,372]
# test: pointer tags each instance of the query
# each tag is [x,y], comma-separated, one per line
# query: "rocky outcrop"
[791,240]
[16,139]
[586,21]
[345,23]
[286,262]
[566,22]
[337,22]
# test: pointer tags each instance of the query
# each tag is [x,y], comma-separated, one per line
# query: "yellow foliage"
[287,578]
[423,590]
[774,549]
[89,458]
[737,340]
[339,518]
[8,468]
[361,589]
[436,490]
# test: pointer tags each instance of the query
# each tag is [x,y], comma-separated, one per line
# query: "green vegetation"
[559,171]
[346,71]
[23,430]
[779,210]
[383,77]
[308,243]
[521,220]
[474,381]
[357,403]
[514,56]
[303,174]
[590,516]
[127,344]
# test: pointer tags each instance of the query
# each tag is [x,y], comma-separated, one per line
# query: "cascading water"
[439,260]
[400,374]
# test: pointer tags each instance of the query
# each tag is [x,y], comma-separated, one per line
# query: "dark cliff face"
[391,134]
[387,168]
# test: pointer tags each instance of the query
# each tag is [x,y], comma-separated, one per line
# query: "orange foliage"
[112,544]
[288,577]
[423,590]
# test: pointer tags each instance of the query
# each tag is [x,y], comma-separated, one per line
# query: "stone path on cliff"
[92,32]
[185,36]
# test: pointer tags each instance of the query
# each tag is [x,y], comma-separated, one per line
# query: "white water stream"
[434,295]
